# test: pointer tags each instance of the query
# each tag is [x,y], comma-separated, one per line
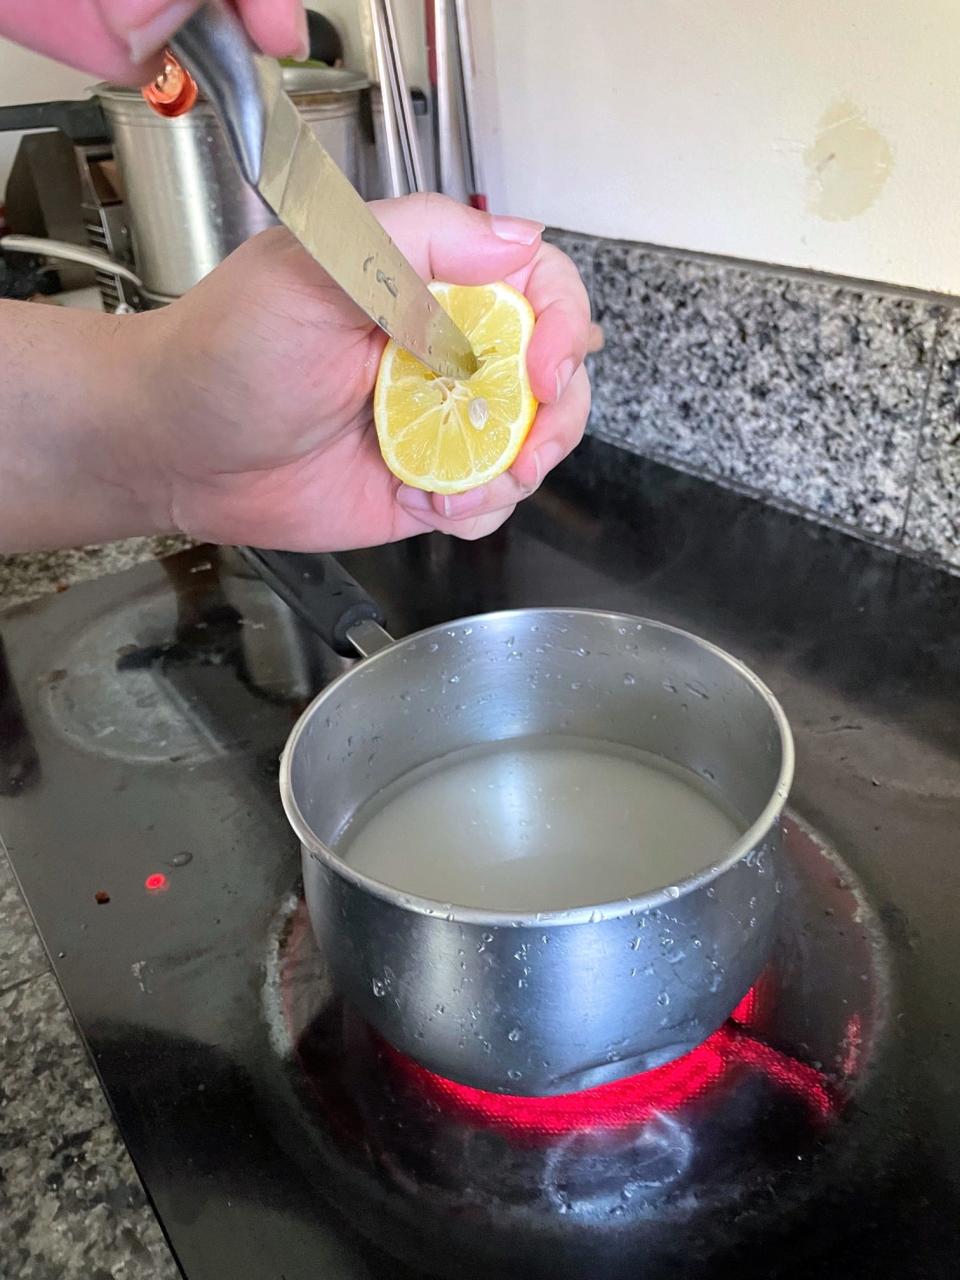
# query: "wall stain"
[848,164]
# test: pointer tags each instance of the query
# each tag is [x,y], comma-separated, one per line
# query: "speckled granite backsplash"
[838,401]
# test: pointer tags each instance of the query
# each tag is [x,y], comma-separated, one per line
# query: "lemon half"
[447,435]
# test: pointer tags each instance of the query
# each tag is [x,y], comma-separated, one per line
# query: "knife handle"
[239,82]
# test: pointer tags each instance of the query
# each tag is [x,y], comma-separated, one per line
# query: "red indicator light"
[155,882]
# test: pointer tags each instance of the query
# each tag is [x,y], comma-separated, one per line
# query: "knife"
[297,178]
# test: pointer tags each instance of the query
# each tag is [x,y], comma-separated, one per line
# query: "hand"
[256,388]
[121,40]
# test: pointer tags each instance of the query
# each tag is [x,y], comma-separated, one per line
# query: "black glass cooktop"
[278,1138]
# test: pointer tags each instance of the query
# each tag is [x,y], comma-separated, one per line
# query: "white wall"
[816,133]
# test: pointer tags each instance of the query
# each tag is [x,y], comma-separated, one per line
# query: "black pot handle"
[320,592]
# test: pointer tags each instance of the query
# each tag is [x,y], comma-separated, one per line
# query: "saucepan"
[518,999]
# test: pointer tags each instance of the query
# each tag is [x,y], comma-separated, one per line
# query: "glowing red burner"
[632,1101]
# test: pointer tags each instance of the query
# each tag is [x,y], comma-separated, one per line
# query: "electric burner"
[726,1127]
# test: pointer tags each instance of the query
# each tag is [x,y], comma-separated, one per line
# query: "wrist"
[134,431]
[76,465]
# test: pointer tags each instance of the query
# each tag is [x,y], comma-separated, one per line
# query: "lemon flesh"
[447,435]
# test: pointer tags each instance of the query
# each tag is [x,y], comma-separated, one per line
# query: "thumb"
[279,27]
[445,240]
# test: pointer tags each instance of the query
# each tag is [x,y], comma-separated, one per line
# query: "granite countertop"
[71,1204]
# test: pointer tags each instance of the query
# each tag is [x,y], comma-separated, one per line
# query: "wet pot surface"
[609,946]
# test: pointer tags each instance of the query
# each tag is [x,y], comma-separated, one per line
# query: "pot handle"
[323,595]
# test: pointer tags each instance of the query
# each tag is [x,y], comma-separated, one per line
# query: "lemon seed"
[478,411]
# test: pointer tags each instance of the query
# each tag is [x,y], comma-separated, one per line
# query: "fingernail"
[149,37]
[547,457]
[564,374]
[414,499]
[456,505]
[516,230]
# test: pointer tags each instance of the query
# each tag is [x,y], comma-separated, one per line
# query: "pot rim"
[593,912]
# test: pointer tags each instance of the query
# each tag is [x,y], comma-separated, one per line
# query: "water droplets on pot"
[383,985]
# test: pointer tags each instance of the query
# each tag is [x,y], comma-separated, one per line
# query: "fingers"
[596,339]
[557,430]
[445,240]
[77,34]
[126,43]
[559,343]
[278,27]
[143,27]
[436,508]
[469,529]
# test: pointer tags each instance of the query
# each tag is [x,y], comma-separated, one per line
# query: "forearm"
[75,460]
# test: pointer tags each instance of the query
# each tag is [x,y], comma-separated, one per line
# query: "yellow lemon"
[447,435]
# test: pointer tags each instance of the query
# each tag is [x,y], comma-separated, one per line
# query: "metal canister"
[187,204]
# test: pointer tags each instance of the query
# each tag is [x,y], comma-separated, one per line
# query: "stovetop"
[278,1138]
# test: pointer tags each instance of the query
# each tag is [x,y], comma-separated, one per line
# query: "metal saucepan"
[527,1002]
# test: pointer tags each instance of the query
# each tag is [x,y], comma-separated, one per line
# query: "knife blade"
[312,197]
[295,175]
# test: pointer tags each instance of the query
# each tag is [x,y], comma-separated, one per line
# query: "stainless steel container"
[188,205]
[541,1002]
